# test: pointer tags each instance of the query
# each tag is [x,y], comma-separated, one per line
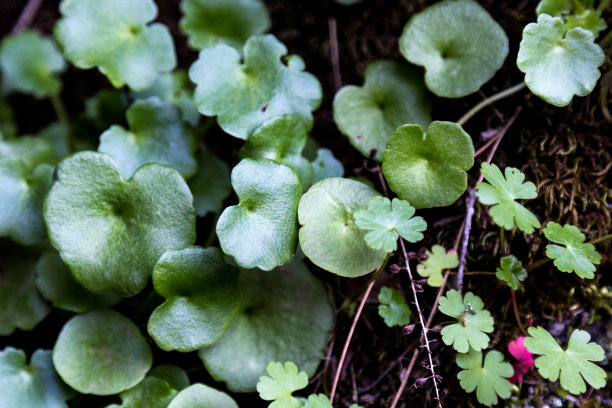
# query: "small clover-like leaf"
[490,379]
[574,365]
[261,231]
[211,184]
[114,36]
[392,95]
[101,353]
[473,323]
[502,193]
[437,261]
[576,256]
[329,235]
[30,64]
[157,135]
[511,271]
[245,95]
[281,382]
[387,220]
[281,139]
[326,166]
[201,298]
[285,315]
[110,231]
[34,385]
[20,303]
[428,170]
[458,43]
[57,285]
[210,22]
[393,308]
[559,62]
[202,396]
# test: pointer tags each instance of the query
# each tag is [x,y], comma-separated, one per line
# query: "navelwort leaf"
[281,382]
[511,271]
[572,365]
[210,22]
[261,231]
[202,396]
[211,184]
[245,95]
[281,139]
[472,322]
[428,170]
[30,64]
[276,307]
[559,62]
[201,298]
[502,193]
[34,385]
[101,353]
[114,36]
[387,220]
[157,390]
[110,231]
[576,256]
[329,236]
[157,134]
[393,307]
[392,95]
[437,261]
[326,166]
[458,43]
[488,379]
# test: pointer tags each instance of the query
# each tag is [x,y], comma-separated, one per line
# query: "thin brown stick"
[27,15]
[470,201]
[516,313]
[333,50]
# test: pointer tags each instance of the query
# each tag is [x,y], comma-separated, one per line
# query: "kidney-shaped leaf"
[211,184]
[245,95]
[36,385]
[30,63]
[261,231]
[458,43]
[157,134]
[285,315]
[111,231]
[101,353]
[329,235]
[202,396]
[201,298]
[559,63]
[428,170]
[325,165]
[114,36]
[211,22]
[392,95]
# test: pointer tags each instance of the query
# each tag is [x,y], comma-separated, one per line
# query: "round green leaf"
[20,303]
[201,298]
[23,192]
[329,236]
[285,315]
[281,139]
[33,386]
[173,375]
[458,43]
[157,134]
[210,22]
[211,185]
[30,63]
[428,170]
[245,95]
[57,285]
[202,396]
[32,150]
[392,95]
[114,36]
[101,353]
[261,231]
[150,393]
[111,232]
[325,165]
[559,63]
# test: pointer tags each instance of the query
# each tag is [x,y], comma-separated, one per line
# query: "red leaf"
[524,359]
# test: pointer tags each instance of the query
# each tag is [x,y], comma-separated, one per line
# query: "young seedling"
[437,261]
[393,308]
[281,382]
[511,271]
[490,379]
[576,255]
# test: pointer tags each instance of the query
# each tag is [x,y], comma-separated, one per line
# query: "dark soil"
[566,152]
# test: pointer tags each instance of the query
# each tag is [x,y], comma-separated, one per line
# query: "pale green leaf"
[437,261]
[326,166]
[393,307]
[281,382]
[488,379]
[554,7]
[576,255]
[202,396]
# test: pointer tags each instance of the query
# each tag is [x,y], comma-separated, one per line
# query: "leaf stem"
[516,313]
[537,264]
[469,215]
[602,6]
[600,239]
[488,101]
[60,110]
[352,330]
[502,240]
[606,41]
[27,15]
